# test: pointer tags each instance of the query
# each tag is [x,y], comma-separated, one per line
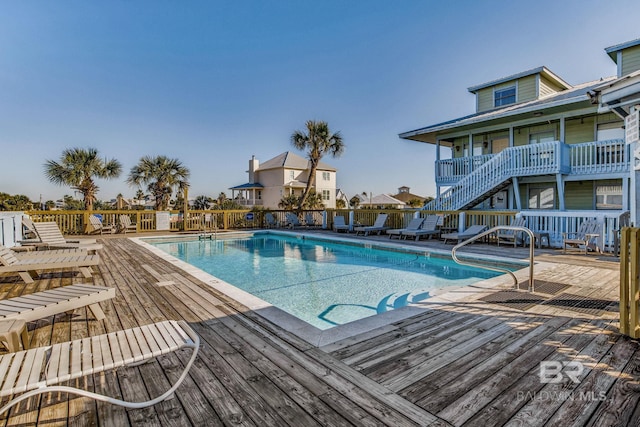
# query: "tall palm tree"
[78,167]
[317,141]
[162,176]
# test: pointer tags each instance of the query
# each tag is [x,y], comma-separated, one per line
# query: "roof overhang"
[516,117]
[620,95]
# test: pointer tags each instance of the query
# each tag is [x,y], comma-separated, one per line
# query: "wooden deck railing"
[630,282]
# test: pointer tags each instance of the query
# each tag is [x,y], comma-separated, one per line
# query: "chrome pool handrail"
[532,242]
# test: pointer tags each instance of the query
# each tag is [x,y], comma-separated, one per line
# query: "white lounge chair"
[377,227]
[512,236]
[99,226]
[414,224]
[470,232]
[50,234]
[27,267]
[126,224]
[54,301]
[339,224]
[38,370]
[429,228]
[585,237]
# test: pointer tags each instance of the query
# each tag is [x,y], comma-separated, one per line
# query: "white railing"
[453,170]
[557,222]
[249,202]
[610,156]
[534,159]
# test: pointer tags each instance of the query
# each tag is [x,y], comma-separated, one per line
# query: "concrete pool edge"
[316,336]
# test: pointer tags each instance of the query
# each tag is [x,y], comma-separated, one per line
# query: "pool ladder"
[532,242]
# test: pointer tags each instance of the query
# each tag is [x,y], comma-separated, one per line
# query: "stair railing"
[532,242]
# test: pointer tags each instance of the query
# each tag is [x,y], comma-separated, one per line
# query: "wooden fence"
[629,281]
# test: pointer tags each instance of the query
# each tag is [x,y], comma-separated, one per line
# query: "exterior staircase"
[546,158]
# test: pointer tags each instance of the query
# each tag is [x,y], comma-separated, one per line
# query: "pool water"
[324,283]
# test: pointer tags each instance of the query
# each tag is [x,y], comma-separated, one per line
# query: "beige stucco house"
[284,175]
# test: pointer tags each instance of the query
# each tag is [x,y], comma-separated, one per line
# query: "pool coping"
[319,337]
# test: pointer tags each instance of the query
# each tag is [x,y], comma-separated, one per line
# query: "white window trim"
[503,88]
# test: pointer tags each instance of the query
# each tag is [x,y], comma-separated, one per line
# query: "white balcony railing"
[483,173]
[599,157]
[449,171]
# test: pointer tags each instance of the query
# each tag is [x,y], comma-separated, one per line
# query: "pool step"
[399,300]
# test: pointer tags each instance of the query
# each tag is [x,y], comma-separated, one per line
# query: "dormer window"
[504,96]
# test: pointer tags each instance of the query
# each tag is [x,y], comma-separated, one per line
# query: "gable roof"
[381,199]
[291,160]
[539,70]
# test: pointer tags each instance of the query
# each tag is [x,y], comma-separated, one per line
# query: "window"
[292,175]
[504,96]
[326,195]
[537,138]
[542,198]
[259,194]
[326,176]
[608,196]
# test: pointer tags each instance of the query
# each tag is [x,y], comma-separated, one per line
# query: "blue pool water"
[323,283]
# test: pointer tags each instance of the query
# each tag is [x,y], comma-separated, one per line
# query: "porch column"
[470,157]
[625,194]
[560,185]
[633,178]
[437,150]
[511,136]
[562,136]
[516,192]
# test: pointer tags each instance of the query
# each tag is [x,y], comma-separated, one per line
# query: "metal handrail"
[532,241]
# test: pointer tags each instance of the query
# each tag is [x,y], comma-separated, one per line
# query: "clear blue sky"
[213,82]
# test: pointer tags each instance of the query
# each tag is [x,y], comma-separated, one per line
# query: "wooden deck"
[465,360]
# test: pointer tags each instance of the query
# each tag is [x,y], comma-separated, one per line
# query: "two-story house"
[285,174]
[535,142]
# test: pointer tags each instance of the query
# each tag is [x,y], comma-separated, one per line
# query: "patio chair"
[50,234]
[39,305]
[309,220]
[339,224]
[27,267]
[429,228]
[512,236]
[38,370]
[28,230]
[271,221]
[414,224]
[125,224]
[377,226]
[292,220]
[586,235]
[470,232]
[99,226]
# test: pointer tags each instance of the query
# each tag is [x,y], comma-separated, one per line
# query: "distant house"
[381,201]
[406,196]
[284,175]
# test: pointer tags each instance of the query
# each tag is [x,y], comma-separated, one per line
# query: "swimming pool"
[322,282]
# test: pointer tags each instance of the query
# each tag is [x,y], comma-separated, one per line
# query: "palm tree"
[161,175]
[289,202]
[318,141]
[78,167]
[202,203]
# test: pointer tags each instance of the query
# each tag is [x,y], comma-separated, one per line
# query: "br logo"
[551,371]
